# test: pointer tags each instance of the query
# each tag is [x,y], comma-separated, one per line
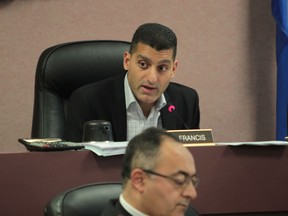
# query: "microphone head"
[171,108]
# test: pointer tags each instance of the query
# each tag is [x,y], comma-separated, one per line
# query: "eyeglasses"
[181,179]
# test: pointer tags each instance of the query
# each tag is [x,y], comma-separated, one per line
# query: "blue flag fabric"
[280,13]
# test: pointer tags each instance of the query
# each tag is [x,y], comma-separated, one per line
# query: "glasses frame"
[193,179]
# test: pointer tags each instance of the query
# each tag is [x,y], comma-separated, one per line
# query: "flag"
[280,14]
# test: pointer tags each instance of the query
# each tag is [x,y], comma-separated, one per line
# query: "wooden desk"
[232,179]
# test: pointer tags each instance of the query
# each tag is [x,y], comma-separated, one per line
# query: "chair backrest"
[87,200]
[63,68]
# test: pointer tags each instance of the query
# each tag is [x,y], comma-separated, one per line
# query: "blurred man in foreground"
[159,177]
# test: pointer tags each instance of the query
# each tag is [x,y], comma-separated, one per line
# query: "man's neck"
[146,108]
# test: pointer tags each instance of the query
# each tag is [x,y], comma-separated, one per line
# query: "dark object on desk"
[49,145]
[86,200]
[65,67]
[97,130]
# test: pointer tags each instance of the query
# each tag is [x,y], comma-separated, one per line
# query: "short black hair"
[143,149]
[155,35]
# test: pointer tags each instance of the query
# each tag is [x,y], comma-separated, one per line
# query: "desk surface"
[232,179]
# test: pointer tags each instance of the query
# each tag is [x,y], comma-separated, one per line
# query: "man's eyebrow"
[143,57]
[185,173]
[164,61]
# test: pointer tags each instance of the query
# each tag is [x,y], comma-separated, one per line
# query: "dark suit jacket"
[114,208]
[105,100]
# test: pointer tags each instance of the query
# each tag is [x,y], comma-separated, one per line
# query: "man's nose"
[152,75]
[190,191]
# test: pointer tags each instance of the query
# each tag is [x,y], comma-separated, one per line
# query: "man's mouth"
[183,204]
[148,88]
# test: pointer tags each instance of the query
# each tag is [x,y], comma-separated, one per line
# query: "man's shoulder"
[180,89]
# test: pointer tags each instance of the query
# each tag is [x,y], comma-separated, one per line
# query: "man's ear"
[175,65]
[138,178]
[126,60]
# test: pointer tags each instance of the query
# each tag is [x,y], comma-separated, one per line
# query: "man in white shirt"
[140,98]
[159,177]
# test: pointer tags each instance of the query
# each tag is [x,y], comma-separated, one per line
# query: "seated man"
[143,96]
[159,177]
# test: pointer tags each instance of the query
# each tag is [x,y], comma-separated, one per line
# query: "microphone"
[172,108]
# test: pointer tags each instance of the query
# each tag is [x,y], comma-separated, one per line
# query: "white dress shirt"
[136,121]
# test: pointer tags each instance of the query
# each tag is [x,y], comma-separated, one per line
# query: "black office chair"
[63,68]
[88,200]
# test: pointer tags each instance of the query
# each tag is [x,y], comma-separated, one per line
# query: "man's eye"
[162,68]
[180,180]
[143,64]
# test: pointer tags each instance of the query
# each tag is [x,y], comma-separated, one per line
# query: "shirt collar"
[129,208]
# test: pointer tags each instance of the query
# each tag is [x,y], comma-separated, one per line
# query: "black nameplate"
[200,136]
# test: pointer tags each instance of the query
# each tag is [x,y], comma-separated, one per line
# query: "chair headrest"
[66,67]
[87,200]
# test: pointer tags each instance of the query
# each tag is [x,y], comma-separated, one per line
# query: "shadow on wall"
[262,75]
[4,3]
